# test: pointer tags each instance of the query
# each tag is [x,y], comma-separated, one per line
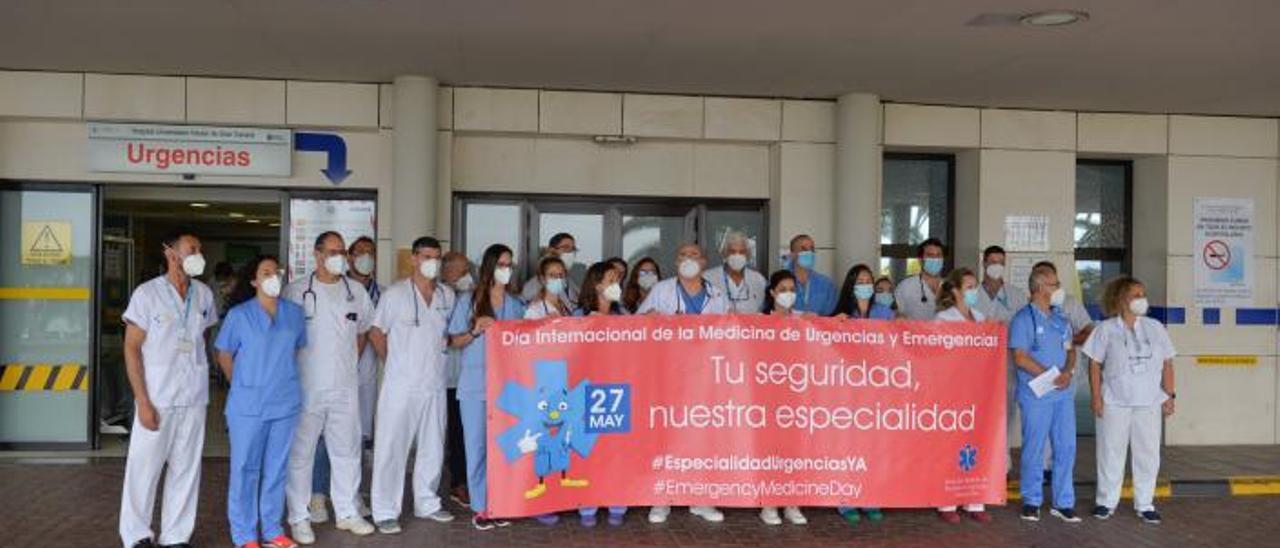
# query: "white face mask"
[995,271]
[364,264]
[429,268]
[1058,297]
[785,300]
[647,279]
[465,283]
[1139,306]
[193,264]
[737,262]
[568,258]
[335,264]
[502,275]
[612,293]
[689,269]
[270,286]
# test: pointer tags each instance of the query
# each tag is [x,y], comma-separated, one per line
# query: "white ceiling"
[1189,56]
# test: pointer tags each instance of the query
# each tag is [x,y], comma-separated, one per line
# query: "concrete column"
[859,155]
[413,164]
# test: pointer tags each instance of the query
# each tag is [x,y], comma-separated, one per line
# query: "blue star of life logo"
[968,457]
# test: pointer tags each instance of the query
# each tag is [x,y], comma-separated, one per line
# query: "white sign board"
[1026,233]
[1018,271]
[145,148]
[1223,252]
[311,218]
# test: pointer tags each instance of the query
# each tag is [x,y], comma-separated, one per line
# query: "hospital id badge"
[1066,345]
[186,345]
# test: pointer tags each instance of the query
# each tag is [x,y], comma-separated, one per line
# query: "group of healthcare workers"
[305,404]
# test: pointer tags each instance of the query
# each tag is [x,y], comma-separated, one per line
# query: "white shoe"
[794,516]
[302,533]
[441,516]
[318,508]
[357,525]
[769,515]
[658,514]
[709,513]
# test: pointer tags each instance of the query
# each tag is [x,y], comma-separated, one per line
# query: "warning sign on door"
[1223,251]
[46,243]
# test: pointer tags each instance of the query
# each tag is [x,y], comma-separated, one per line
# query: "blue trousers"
[259,460]
[320,472]
[473,437]
[1052,422]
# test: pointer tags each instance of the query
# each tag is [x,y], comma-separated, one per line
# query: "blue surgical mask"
[884,298]
[971,297]
[863,292]
[806,259]
[555,285]
[933,265]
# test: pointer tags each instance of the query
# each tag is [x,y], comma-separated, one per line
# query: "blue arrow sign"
[330,143]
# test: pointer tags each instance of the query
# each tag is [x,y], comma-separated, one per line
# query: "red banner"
[744,411]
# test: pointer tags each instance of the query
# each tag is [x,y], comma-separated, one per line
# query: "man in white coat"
[339,313]
[409,335]
[164,351]
[686,293]
[742,286]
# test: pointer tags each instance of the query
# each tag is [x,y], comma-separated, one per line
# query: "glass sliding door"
[48,236]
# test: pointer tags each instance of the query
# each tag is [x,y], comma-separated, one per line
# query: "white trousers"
[335,414]
[1119,429]
[179,442]
[404,417]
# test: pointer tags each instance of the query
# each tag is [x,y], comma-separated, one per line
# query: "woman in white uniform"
[957,302]
[1131,377]
[644,276]
[780,300]
[551,300]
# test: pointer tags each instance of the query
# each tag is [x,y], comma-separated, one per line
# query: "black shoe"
[1065,514]
[1150,516]
[1102,512]
[482,524]
[144,543]
[1030,513]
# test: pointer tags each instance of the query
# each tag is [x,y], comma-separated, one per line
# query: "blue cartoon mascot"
[551,424]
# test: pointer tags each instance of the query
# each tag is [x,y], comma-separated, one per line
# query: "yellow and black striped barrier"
[44,377]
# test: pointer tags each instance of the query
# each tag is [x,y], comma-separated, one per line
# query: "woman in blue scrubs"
[257,350]
[491,301]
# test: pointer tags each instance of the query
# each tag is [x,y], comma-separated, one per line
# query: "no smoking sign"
[1216,254]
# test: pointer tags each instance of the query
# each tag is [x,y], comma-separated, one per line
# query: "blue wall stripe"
[1256,316]
[1212,316]
[1169,315]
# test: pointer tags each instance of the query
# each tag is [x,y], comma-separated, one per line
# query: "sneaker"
[709,513]
[588,520]
[658,514]
[303,534]
[1030,513]
[1065,514]
[980,516]
[548,519]
[769,515]
[482,524]
[1102,512]
[281,541]
[318,508]
[459,496]
[388,527]
[616,520]
[502,522]
[874,514]
[1150,516]
[851,515]
[949,516]
[356,525]
[439,516]
[145,543]
[794,515]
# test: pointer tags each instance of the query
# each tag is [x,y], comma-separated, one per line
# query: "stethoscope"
[311,312]
[924,297]
[414,286]
[707,287]
[1035,328]
[744,294]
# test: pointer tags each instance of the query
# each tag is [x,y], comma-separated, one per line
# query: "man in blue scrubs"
[1040,338]
[257,351]
[815,293]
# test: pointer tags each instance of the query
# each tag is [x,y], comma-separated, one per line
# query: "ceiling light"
[274,224]
[252,221]
[235,215]
[1054,18]
[614,139]
[199,205]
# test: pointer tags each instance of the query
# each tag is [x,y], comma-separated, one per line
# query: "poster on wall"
[308,218]
[1223,248]
[1026,233]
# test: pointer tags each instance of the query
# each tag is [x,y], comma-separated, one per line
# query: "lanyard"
[802,299]
[744,294]
[692,302]
[184,308]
